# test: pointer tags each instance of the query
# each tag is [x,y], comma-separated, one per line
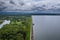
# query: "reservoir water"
[46,27]
[4,23]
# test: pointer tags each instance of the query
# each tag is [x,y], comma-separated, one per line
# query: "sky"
[29,5]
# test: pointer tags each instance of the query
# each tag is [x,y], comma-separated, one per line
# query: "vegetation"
[1,21]
[18,29]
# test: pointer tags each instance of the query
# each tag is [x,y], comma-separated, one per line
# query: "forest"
[18,28]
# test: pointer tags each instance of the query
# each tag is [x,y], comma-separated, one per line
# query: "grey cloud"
[26,5]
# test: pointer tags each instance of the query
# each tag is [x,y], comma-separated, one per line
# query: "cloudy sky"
[29,5]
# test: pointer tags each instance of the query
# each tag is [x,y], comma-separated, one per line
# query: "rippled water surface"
[46,27]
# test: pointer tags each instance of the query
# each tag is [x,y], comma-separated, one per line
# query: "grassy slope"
[29,27]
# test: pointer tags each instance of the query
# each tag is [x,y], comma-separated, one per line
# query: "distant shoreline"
[27,13]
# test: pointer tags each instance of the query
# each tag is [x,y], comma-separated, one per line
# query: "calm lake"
[46,27]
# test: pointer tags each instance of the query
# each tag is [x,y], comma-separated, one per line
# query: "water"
[4,23]
[46,27]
